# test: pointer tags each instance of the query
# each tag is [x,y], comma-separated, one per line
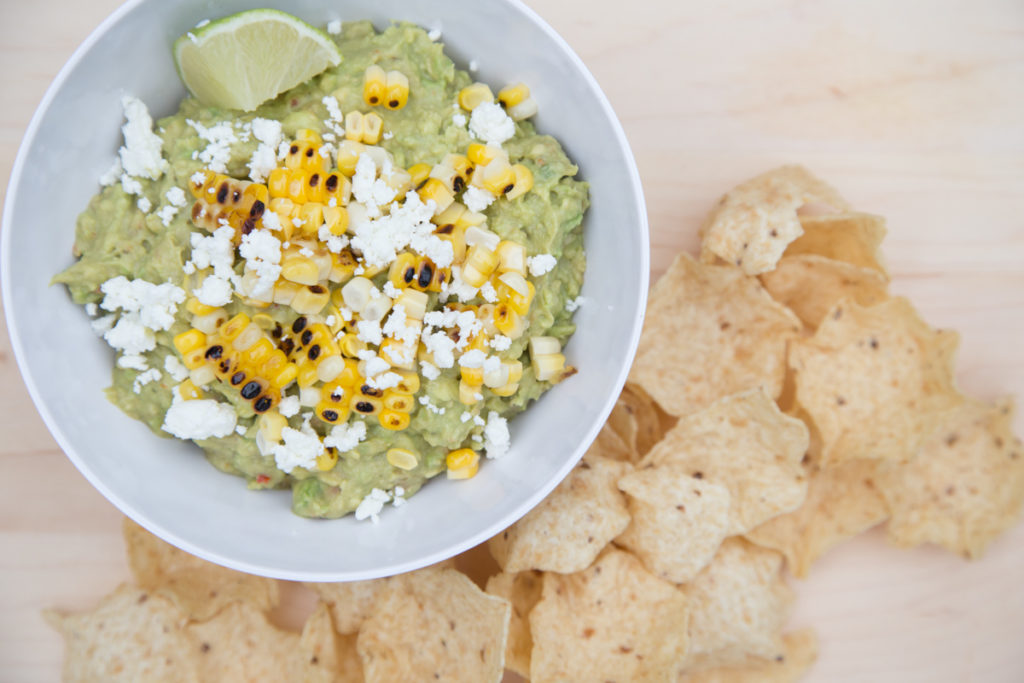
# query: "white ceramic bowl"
[167,485]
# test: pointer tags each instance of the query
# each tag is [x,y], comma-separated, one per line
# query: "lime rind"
[243,60]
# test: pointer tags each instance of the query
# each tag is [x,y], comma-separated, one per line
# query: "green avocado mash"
[116,237]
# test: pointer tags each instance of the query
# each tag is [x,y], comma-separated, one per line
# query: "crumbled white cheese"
[371,505]
[91,309]
[144,378]
[176,197]
[397,499]
[496,436]
[500,342]
[476,198]
[473,65]
[407,224]
[144,204]
[333,108]
[300,449]
[289,406]
[472,359]
[434,30]
[345,437]
[375,366]
[384,381]
[429,370]
[459,119]
[490,123]
[334,27]
[214,291]
[155,304]
[573,305]
[199,418]
[458,287]
[335,243]
[102,325]
[264,157]
[175,368]
[141,155]
[166,214]
[133,361]
[441,347]
[241,430]
[466,416]
[369,331]
[271,221]
[426,403]
[130,185]
[262,254]
[541,264]
[113,174]
[219,139]
[216,250]
[487,291]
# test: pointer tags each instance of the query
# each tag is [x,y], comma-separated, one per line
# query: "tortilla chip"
[755,221]
[522,590]
[199,588]
[677,521]
[350,602]
[746,444]
[875,381]
[841,502]
[132,635]
[610,443]
[964,487]
[612,621]
[738,606]
[651,421]
[329,656]
[568,529]
[854,238]
[434,624]
[799,652]
[811,285]
[711,331]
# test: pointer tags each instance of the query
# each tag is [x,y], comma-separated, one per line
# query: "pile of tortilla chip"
[781,402]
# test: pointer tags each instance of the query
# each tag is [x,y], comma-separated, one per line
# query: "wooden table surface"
[914,110]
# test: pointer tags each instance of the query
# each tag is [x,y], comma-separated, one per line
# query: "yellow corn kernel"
[480,263]
[270,425]
[273,363]
[402,458]
[349,150]
[349,377]
[309,135]
[548,366]
[511,95]
[189,341]
[469,393]
[507,390]
[436,190]
[310,300]
[365,405]
[336,219]
[196,307]
[312,161]
[189,391]
[410,382]
[202,375]
[249,335]
[402,270]
[393,420]
[373,128]
[414,303]
[196,358]
[374,86]
[338,190]
[315,191]
[472,96]
[462,463]
[312,215]
[497,177]
[326,461]
[331,412]
[511,257]
[480,154]
[296,151]
[398,401]
[300,269]
[354,127]
[297,183]
[461,165]
[351,345]
[397,90]
[418,174]
[445,221]
[472,376]
[516,300]
[306,374]
[515,370]
[285,291]
[523,182]
[288,374]
[258,353]
[508,322]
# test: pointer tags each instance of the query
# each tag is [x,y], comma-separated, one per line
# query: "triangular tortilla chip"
[522,590]
[800,650]
[854,238]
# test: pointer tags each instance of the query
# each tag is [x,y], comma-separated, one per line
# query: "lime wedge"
[241,61]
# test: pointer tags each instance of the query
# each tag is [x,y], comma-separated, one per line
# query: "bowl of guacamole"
[353,331]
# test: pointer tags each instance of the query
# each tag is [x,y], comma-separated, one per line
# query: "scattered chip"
[651,421]
[841,502]
[710,332]
[566,531]
[755,221]
[132,635]
[875,381]
[799,651]
[329,656]
[677,521]
[738,606]
[199,588]
[522,590]
[812,285]
[854,238]
[964,487]
[611,443]
[434,624]
[350,602]
[744,443]
[612,621]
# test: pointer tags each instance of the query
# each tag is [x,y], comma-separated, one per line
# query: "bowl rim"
[632,176]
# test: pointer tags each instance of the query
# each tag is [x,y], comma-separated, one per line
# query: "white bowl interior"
[167,485]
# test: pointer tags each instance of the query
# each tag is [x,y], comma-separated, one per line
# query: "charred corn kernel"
[508,322]
[446,220]
[293,158]
[462,464]
[288,374]
[485,314]
[418,173]
[331,412]
[523,110]
[196,358]
[402,271]
[455,236]
[365,405]
[436,191]
[255,192]
[374,86]
[337,189]
[547,367]
[349,150]
[310,300]
[249,335]
[300,269]
[507,390]
[511,257]
[410,382]
[511,95]
[312,161]
[258,353]
[472,96]
[285,291]
[315,191]
[189,391]
[397,90]
[469,393]
[196,307]
[523,182]
[393,420]
[402,458]
[373,128]
[473,376]
[449,176]
[326,461]
[497,177]
[414,303]
[335,392]
[351,345]
[354,127]
[480,154]
[270,424]
[202,375]
[189,341]
[462,165]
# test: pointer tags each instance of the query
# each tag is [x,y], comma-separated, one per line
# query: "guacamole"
[404,352]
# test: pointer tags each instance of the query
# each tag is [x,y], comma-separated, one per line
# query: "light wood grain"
[913,110]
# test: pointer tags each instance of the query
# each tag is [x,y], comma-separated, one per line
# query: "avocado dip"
[332,296]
